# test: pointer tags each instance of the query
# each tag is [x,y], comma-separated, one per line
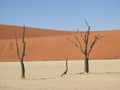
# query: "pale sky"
[61,14]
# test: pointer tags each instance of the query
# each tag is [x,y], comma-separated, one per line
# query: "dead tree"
[66,70]
[87,46]
[21,57]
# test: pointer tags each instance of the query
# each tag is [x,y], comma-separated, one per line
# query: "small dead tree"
[21,57]
[87,48]
[66,70]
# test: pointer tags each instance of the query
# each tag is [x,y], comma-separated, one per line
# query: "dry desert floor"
[45,75]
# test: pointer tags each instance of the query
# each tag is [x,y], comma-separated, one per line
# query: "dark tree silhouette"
[21,57]
[87,48]
[66,70]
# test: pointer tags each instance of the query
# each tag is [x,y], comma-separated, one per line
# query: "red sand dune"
[45,44]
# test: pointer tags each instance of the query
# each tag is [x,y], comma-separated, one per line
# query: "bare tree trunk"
[22,69]
[86,64]
[65,72]
[21,57]
[87,47]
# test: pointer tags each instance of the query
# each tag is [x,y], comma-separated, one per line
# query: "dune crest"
[45,44]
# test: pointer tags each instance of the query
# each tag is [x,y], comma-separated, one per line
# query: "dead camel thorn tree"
[66,70]
[87,46]
[21,57]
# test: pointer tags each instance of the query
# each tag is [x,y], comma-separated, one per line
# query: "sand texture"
[45,75]
[44,44]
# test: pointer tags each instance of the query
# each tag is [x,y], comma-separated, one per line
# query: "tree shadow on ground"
[40,78]
[98,73]
[81,73]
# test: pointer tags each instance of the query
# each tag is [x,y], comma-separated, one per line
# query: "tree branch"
[24,44]
[87,32]
[81,35]
[94,41]
[79,48]
[73,43]
[17,47]
[87,25]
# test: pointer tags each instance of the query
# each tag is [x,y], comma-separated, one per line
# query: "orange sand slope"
[44,44]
